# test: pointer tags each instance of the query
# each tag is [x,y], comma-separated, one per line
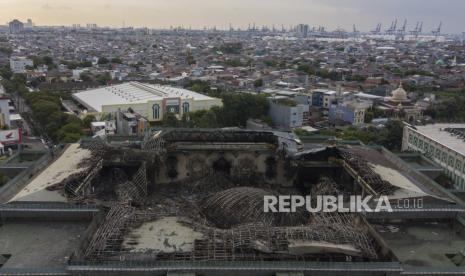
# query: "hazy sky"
[199,13]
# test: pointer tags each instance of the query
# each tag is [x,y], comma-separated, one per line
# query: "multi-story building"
[323,97]
[287,113]
[16,26]
[91,26]
[4,111]
[130,123]
[352,112]
[302,30]
[442,143]
[150,101]
[20,64]
[29,24]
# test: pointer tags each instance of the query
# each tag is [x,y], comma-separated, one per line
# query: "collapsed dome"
[243,205]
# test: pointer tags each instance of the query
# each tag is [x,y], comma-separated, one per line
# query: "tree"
[391,137]
[190,60]
[368,116]
[43,60]
[43,109]
[258,83]
[87,121]
[36,81]
[47,60]
[3,179]
[5,72]
[116,60]
[72,66]
[451,107]
[239,107]
[103,78]
[6,51]
[19,79]
[301,132]
[198,86]
[234,62]
[70,137]
[236,110]
[103,60]
[70,133]
[271,63]
[170,120]
[208,120]
[59,126]
[85,77]
[85,64]
[303,68]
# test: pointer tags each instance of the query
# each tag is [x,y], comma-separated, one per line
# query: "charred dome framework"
[212,182]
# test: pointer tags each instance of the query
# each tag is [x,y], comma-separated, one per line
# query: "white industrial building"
[149,100]
[442,143]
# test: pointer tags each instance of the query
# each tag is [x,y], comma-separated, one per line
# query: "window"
[185,107]
[156,111]
[444,157]
[458,164]
[415,141]
[438,153]
[451,160]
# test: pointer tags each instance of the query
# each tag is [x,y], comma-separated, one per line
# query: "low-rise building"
[150,101]
[103,128]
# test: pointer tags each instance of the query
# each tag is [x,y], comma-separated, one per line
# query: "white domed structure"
[400,106]
[399,95]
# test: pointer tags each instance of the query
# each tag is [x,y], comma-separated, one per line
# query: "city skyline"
[364,14]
